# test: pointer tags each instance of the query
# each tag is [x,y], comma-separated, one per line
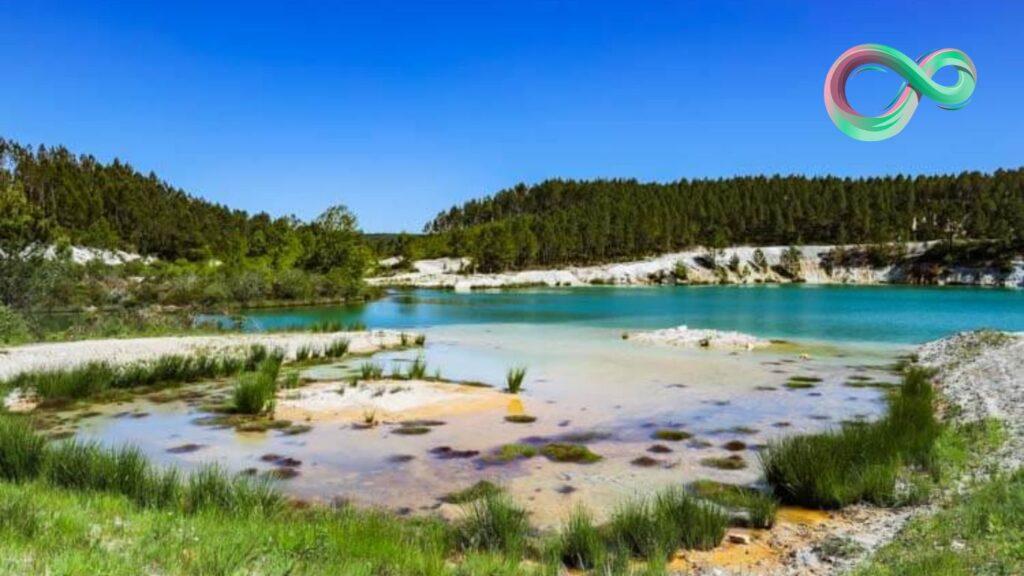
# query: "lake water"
[583,378]
[885,314]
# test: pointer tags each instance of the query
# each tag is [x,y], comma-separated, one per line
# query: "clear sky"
[401,109]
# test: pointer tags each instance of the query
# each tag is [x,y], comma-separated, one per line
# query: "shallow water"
[583,377]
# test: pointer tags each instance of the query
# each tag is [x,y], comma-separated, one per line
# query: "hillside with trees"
[206,255]
[559,222]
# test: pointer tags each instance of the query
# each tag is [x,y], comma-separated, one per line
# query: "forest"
[558,222]
[202,254]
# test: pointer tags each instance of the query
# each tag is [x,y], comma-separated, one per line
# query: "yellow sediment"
[754,557]
[795,515]
[459,400]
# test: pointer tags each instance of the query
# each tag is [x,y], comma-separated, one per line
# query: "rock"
[737,538]
[698,338]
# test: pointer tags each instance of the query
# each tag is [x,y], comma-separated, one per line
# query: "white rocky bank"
[698,338]
[447,272]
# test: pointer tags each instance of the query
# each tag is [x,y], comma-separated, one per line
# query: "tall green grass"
[494,523]
[89,467]
[95,378]
[580,543]
[22,451]
[514,379]
[858,463]
[673,519]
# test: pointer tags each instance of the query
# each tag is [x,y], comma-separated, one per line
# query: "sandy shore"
[58,355]
[387,400]
[447,272]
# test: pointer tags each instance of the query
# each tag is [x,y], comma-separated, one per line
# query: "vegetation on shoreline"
[566,222]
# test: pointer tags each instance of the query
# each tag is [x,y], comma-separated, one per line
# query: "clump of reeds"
[580,543]
[22,451]
[417,370]
[514,379]
[494,523]
[370,371]
[336,348]
[857,463]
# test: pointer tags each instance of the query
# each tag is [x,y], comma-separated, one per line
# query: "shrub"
[22,451]
[494,523]
[13,327]
[514,379]
[580,544]
[635,528]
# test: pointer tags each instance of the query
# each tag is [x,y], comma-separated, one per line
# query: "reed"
[254,393]
[22,451]
[514,379]
[858,463]
[580,543]
[494,523]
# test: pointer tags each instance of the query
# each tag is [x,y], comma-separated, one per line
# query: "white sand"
[62,355]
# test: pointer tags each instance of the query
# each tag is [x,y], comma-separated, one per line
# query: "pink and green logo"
[917,81]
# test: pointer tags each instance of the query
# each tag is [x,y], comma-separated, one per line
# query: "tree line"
[207,253]
[558,222]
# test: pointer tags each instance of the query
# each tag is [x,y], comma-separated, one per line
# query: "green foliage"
[564,452]
[481,489]
[13,327]
[336,348]
[514,379]
[759,506]
[858,462]
[417,369]
[559,222]
[370,371]
[494,523]
[22,451]
[94,378]
[253,393]
[580,543]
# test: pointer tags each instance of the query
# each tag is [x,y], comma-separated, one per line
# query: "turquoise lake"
[889,314]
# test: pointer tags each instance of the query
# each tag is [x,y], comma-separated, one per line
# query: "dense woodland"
[578,222]
[206,254]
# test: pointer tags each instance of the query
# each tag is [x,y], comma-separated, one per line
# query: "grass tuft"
[514,379]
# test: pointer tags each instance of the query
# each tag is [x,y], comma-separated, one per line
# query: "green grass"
[563,452]
[370,371]
[22,451]
[858,463]
[510,452]
[336,348]
[253,394]
[417,369]
[980,532]
[494,523]
[673,519]
[580,544]
[514,379]
[477,491]
[96,378]
[760,507]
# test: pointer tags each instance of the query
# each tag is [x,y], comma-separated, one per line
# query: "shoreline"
[666,269]
[15,360]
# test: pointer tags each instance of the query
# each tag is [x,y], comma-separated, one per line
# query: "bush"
[13,328]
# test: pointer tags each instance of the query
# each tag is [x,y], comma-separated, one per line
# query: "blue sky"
[401,109]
